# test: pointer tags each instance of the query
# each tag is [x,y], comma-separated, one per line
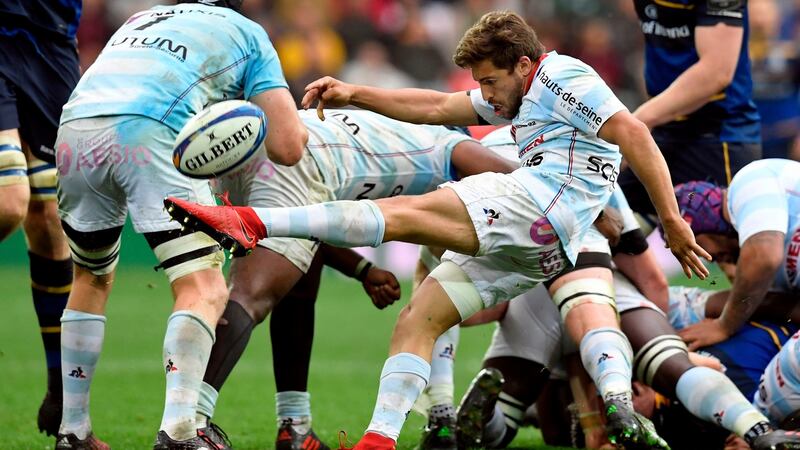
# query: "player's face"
[502,88]
[724,249]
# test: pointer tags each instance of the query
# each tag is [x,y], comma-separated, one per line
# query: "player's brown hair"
[500,36]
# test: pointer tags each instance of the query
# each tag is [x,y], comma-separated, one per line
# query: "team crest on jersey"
[491,215]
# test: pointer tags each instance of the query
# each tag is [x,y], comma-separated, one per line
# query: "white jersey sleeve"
[757,202]
[484,110]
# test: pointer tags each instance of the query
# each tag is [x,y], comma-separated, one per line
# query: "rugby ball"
[219,139]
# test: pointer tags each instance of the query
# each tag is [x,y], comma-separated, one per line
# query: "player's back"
[372,156]
[169,62]
[765,195]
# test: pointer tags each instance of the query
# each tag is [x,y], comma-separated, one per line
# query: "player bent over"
[114,156]
[39,36]
[521,229]
[353,155]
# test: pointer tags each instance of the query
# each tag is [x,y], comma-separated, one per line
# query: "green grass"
[127,394]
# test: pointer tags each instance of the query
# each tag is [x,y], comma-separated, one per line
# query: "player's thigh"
[13,168]
[261,279]
[42,224]
[437,218]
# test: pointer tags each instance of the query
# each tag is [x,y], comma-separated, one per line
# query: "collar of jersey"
[535,72]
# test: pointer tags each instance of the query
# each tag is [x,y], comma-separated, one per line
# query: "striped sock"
[81,341]
[403,378]
[606,355]
[51,282]
[712,396]
[294,405]
[341,223]
[187,344]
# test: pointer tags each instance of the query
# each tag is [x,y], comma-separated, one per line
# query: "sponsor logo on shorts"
[550,262]
[491,215]
[542,232]
[68,160]
[792,255]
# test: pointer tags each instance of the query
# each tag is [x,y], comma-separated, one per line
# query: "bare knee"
[13,208]
[256,298]
[43,230]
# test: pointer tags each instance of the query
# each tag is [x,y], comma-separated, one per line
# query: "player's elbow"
[288,148]
[722,78]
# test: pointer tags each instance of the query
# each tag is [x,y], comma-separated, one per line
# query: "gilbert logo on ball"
[219,139]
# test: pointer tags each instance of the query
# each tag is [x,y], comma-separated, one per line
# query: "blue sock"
[187,345]
[206,404]
[341,223]
[403,378]
[81,341]
[606,355]
[712,396]
[296,406]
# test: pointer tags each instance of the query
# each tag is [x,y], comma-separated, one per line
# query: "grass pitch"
[127,395]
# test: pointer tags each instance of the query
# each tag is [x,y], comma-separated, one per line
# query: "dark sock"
[51,282]
[291,329]
[232,339]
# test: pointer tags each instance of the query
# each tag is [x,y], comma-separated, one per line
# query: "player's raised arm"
[641,152]
[409,105]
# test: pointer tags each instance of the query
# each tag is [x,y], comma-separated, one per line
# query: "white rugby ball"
[219,139]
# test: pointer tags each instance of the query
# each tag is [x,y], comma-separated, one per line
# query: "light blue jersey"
[571,171]
[363,155]
[765,196]
[169,62]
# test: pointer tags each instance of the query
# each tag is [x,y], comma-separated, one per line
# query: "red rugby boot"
[236,228]
[372,441]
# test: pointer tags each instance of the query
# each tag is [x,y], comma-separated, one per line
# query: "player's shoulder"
[763,169]
[563,66]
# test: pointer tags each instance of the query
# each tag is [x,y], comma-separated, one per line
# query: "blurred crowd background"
[401,43]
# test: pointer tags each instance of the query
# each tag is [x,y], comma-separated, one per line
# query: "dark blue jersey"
[669,27]
[746,354]
[58,17]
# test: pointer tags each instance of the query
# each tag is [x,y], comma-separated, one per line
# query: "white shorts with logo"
[518,247]
[264,184]
[112,166]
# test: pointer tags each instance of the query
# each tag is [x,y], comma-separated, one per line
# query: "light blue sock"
[294,405]
[81,341]
[403,378]
[606,355]
[206,404]
[341,223]
[440,386]
[712,396]
[187,345]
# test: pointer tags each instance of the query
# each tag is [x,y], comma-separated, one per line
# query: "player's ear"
[524,66]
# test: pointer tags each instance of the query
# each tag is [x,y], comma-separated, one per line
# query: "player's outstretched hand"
[680,240]
[327,91]
[705,333]
[382,287]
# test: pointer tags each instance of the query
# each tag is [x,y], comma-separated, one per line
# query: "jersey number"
[152,22]
[353,126]
[368,187]
[535,160]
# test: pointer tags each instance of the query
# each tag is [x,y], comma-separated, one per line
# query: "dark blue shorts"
[705,160]
[37,76]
